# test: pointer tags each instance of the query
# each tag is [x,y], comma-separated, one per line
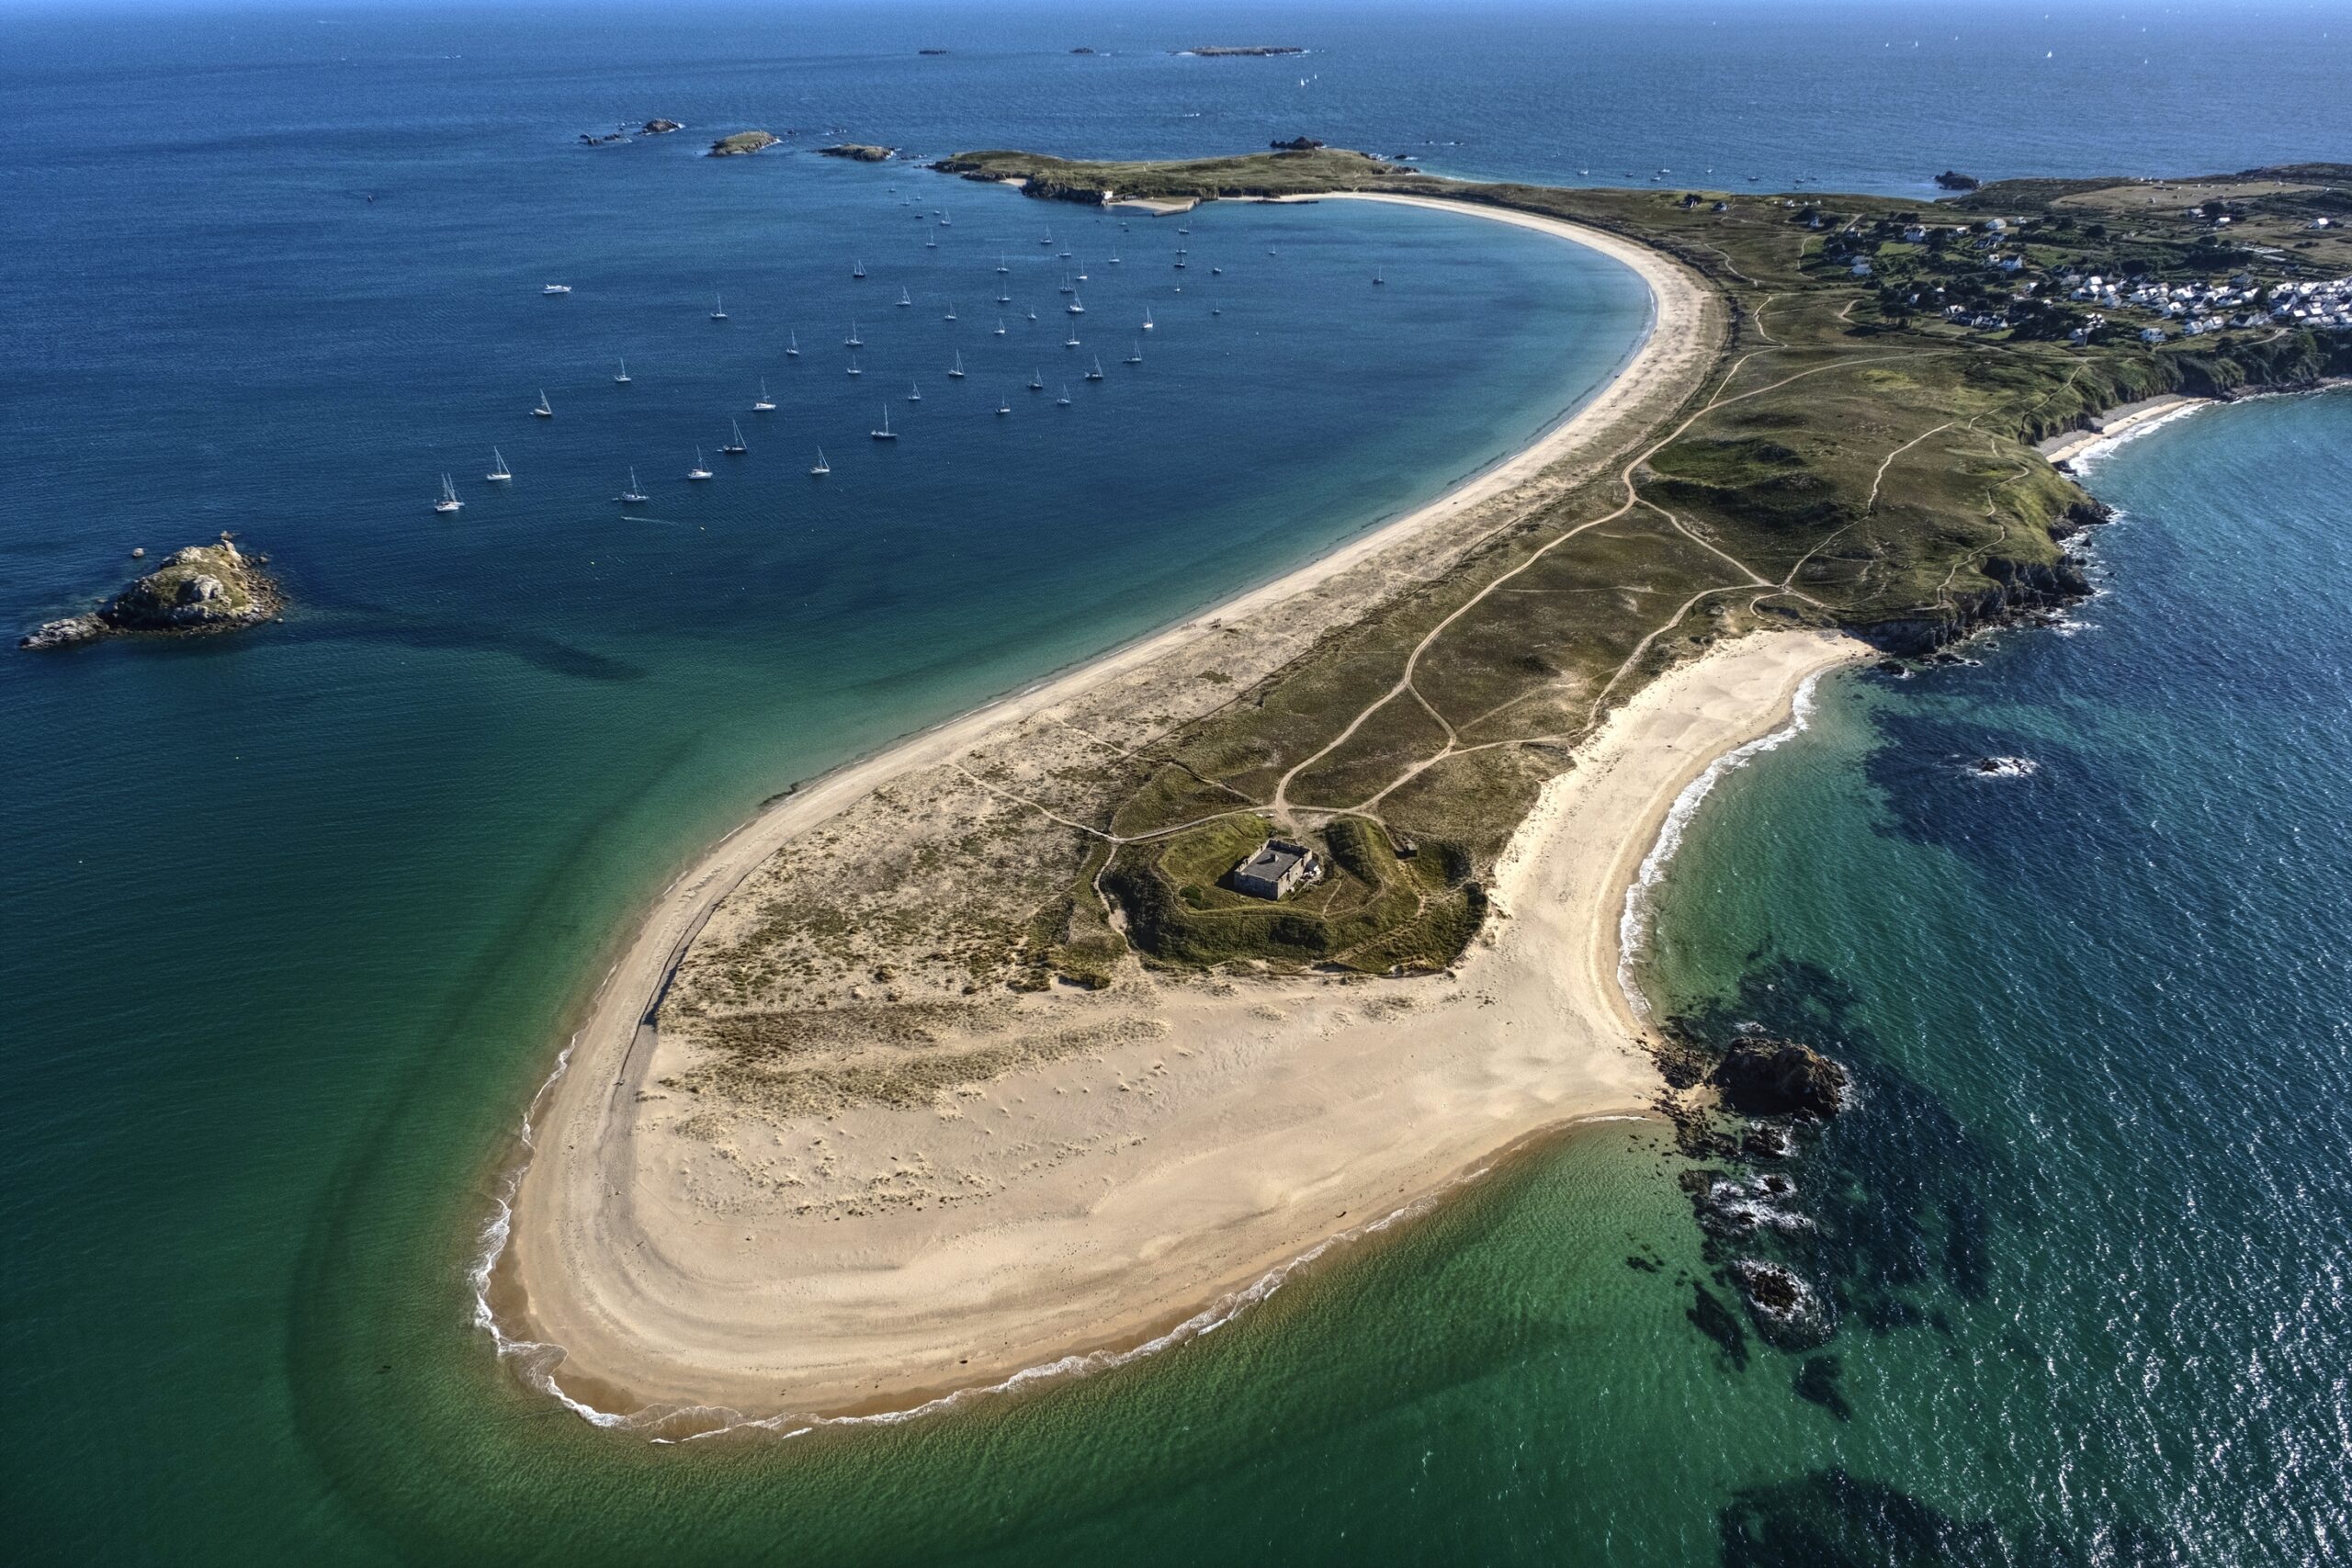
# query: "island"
[743,143]
[660,127]
[1215,51]
[1066,1030]
[196,591]
[863,153]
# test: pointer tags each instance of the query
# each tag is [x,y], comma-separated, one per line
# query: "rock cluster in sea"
[1762,1076]
[199,590]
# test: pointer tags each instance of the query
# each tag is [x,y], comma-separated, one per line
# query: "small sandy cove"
[1119,1194]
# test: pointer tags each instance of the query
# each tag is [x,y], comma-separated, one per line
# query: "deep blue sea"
[290,923]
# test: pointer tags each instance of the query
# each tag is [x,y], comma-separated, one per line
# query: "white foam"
[2084,460]
[1633,925]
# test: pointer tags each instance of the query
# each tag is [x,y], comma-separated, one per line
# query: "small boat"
[719,307]
[905,297]
[1036,382]
[1071,342]
[622,379]
[1063,401]
[957,373]
[1062,255]
[545,409]
[930,244]
[557,289]
[448,502]
[1114,261]
[1377,279]
[1000,326]
[1181,229]
[1032,315]
[1180,264]
[1147,321]
[792,348]
[499,472]
[1005,407]
[763,403]
[914,391]
[699,471]
[736,448]
[951,310]
[1066,288]
[1136,357]
[1077,308]
[886,432]
[1004,298]
[1047,240]
[1001,266]
[1096,374]
[1217,309]
[820,466]
[858,270]
[853,341]
[1217,272]
[945,222]
[854,369]
[1081,277]
[632,496]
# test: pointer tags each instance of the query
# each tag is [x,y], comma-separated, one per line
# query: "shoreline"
[540,1270]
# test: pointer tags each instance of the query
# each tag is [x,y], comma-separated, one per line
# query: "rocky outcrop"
[660,127]
[743,143]
[863,153]
[1295,144]
[1788,1314]
[1951,179]
[1222,52]
[2019,589]
[1762,1076]
[199,590]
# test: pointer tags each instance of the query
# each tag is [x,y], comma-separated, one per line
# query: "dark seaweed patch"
[1708,1314]
[1829,1519]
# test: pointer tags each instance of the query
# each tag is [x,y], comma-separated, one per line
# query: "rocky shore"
[198,590]
[863,153]
[743,143]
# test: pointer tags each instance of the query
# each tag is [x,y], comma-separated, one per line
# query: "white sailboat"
[854,369]
[1004,406]
[699,471]
[1147,321]
[633,496]
[1036,381]
[951,310]
[1000,326]
[914,391]
[886,432]
[956,372]
[1377,279]
[763,403]
[557,289]
[857,270]
[545,410]
[1064,288]
[792,345]
[622,379]
[853,341]
[499,472]
[1077,308]
[448,502]
[1004,298]
[1071,342]
[1096,374]
[1136,357]
[1001,266]
[905,297]
[719,307]
[820,466]
[1063,401]
[738,448]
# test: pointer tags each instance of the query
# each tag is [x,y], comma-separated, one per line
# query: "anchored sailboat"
[622,379]
[956,372]
[545,409]
[914,391]
[699,471]
[763,403]
[1063,401]
[448,502]
[632,496]
[738,448]
[1136,357]
[886,432]
[1096,374]
[719,308]
[499,472]
[820,466]
[792,345]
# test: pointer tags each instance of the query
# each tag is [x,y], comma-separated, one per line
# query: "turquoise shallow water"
[289,925]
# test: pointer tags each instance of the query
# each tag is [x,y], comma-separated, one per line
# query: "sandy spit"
[1118,1195]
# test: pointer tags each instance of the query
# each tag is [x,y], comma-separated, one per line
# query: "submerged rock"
[1788,1312]
[1766,1077]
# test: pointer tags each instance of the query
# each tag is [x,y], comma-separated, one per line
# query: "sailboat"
[1005,406]
[1032,315]
[632,496]
[886,432]
[1136,357]
[1114,258]
[914,391]
[1001,266]
[1048,238]
[622,379]
[1077,308]
[448,502]
[763,403]
[820,466]
[1000,326]
[957,373]
[857,270]
[545,409]
[905,297]
[699,471]
[1377,279]
[1066,288]
[951,310]
[1147,321]
[853,341]
[1180,230]
[930,244]
[1004,298]
[1071,342]
[738,449]
[1063,401]
[557,289]
[499,472]
[1096,374]
[854,369]
[1036,381]
[719,308]
[792,347]
[945,222]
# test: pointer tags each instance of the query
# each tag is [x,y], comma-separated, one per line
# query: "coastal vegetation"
[1860,455]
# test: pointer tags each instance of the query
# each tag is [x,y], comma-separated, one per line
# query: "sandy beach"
[1093,1202]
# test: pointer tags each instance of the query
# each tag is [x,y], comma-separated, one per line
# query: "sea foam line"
[1633,926]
